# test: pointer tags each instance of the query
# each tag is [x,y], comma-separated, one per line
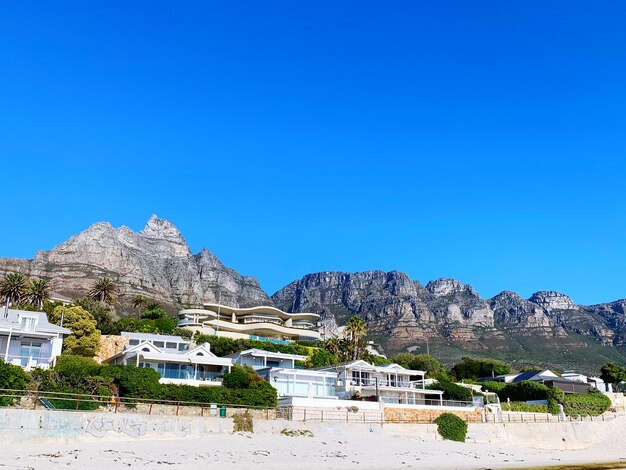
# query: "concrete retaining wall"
[66,426]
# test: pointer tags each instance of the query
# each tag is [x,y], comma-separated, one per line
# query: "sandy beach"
[240,450]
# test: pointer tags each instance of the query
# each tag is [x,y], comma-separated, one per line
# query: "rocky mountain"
[451,318]
[446,317]
[155,262]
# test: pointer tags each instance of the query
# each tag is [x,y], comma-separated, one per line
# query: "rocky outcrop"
[552,300]
[155,262]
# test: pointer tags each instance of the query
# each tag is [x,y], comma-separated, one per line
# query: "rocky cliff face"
[155,262]
[403,314]
[445,315]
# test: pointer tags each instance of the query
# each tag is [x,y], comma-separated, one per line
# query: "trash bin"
[222,411]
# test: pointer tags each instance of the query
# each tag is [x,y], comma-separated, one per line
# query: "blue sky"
[483,141]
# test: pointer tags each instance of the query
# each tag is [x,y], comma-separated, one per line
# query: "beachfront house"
[391,383]
[28,339]
[173,358]
[261,359]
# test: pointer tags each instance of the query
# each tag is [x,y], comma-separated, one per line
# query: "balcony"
[29,362]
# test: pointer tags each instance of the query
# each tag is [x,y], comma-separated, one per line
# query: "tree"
[104,290]
[152,305]
[37,292]
[424,362]
[102,313]
[138,302]
[85,337]
[153,313]
[13,288]
[354,331]
[475,368]
[612,373]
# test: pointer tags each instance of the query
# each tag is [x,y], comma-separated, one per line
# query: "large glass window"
[29,350]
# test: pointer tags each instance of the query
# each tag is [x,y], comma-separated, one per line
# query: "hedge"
[593,403]
[452,391]
[451,427]
[222,346]
[524,391]
[13,378]
[524,407]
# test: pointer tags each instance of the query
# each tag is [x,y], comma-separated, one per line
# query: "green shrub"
[13,378]
[321,358]
[524,391]
[76,368]
[524,407]
[451,427]
[492,386]
[238,377]
[452,391]
[582,404]
[134,382]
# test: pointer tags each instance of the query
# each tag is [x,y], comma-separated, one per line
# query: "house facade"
[174,359]
[261,359]
[264,323]
[392,383]
[29,340]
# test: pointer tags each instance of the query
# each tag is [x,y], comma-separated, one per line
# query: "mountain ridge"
[403,314]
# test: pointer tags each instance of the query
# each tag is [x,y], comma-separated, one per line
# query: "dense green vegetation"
[451,427]
[592,403]
[81,375]
[424,362]
[11,378]
[474,369]
[524,407]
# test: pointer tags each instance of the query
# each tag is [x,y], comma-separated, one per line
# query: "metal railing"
[427,402]
[511,417]
[82,401]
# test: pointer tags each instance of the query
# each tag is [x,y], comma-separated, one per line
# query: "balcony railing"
[425,401]
[372,382]
[28,361]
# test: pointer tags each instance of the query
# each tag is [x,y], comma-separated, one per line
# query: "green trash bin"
[222,411]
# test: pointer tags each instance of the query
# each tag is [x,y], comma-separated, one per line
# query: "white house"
[173,359]
[260,359]
[391,382]
[28,339]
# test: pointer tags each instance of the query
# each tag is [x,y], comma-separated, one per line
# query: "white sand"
[283,452]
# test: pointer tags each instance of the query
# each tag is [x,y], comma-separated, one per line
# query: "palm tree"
[152,305]
[103,290]
[37,292]
[355,329]
[138,302]
[13,288]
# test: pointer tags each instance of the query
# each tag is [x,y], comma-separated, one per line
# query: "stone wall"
[110,345]
[419,415]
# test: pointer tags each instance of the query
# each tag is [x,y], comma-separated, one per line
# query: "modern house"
[260,359]
[392,383]
[28,339]
[173,358]
[280,370]
[264,323]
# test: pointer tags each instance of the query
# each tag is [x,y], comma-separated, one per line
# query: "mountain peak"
[553,300]
[163,229]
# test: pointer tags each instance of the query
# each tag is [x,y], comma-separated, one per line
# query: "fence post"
[150,409]
[347,416]
[117,403]
[305,415]
[322,417]
[177,407]
[36,400]
[267,414]
[382,417]
[364,416]
[77,402]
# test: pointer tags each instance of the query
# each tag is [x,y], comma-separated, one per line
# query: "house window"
[360,378]
[183,347]
[159,344]
[29,350]
[28,323]
[133,342]
[170,345]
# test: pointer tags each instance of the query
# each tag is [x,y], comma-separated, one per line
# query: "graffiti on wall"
[135,427]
